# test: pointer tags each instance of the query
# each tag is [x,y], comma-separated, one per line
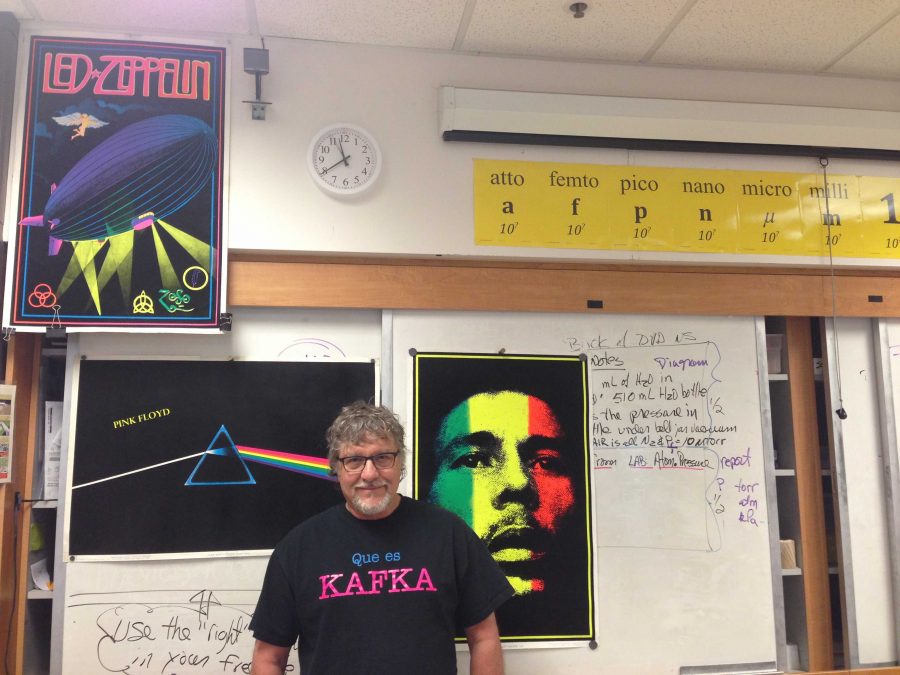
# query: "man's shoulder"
[314,525]
[432,513]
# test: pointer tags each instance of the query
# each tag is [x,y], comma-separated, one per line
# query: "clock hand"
[324,171]
[345,158]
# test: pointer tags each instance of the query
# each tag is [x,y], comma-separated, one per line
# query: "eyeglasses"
[355,464]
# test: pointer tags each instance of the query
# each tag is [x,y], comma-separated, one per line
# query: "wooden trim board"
[541,287]
[809,493]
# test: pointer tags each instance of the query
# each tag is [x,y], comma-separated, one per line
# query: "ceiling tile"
[410,23]
[759,35]
[878,56]
[611,30]
[194,16]
[798,36]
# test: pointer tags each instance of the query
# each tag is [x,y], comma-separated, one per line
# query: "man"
[500,466]
[381,583]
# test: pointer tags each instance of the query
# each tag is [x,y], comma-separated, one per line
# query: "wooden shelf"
[800,493]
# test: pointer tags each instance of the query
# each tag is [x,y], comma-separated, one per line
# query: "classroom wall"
[423,205]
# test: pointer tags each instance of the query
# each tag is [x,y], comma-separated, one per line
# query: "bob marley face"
[501,468]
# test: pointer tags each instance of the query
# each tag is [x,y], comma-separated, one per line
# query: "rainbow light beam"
[310,466]
[223,446]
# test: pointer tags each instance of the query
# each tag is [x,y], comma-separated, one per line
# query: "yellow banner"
[635,208]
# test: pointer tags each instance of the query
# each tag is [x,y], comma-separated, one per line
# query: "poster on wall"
[198,458]
[501,440]
[119,220]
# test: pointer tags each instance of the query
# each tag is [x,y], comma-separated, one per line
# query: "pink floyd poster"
[182,458]
[119,220]
[501,440]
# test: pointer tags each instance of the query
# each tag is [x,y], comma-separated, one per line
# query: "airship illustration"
[144,172]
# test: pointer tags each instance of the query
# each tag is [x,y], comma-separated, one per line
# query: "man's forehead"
[370,443]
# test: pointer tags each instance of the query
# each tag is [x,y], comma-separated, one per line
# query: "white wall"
[863,503]
[423,204]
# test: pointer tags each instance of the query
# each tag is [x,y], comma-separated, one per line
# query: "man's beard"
[370,509]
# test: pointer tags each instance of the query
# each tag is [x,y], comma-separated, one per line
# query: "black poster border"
[556,616]
[151,473]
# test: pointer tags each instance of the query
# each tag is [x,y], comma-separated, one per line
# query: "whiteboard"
[195,611]
[683,565]
[699,596]
[859,472]
[887,356]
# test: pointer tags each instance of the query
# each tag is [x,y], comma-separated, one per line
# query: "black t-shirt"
[378,596]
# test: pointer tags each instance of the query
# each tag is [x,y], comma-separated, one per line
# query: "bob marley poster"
[502,442]
[119,221]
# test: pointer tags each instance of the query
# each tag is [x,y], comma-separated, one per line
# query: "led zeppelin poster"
[501,440]
[119,221]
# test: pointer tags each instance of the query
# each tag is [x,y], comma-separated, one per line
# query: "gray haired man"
[381,583]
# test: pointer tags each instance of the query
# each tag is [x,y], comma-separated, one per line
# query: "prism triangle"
[221,464]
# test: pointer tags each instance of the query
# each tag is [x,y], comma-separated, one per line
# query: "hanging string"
[840,412]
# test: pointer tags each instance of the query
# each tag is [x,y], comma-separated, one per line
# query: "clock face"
[344,159]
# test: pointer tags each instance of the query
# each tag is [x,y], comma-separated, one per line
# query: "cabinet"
[804,497]
[41,508]
[36,365]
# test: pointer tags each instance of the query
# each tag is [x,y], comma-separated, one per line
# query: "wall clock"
[344,159]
